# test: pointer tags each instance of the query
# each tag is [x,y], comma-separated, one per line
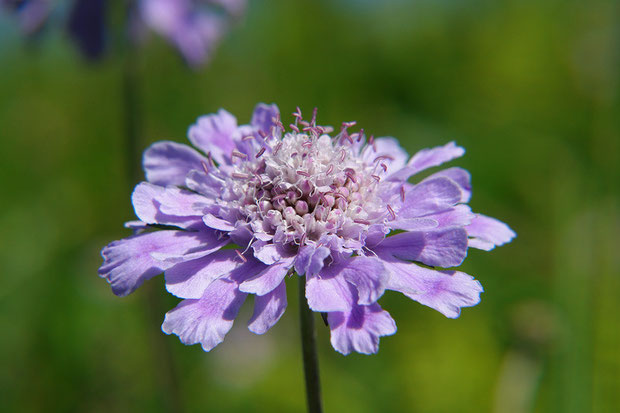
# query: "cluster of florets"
[305,202]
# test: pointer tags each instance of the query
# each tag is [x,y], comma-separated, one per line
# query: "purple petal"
[263,115]
[394,157]
[268,279]
[310,259]
[214,134]
[359,329]
[207,320]
[442,248]
[427,158]
[367,274]
[268,309]
[128,262]
[217,223]
[329,293]
[168,163]
[461,177]
[428,197]
[445,291]
[190,279]
[155,204]
[267,252]
[488,233]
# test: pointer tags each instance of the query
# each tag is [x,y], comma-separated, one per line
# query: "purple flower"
[193,27]
[31,14]
[259,205]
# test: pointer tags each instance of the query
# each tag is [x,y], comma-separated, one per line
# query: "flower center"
[302,186]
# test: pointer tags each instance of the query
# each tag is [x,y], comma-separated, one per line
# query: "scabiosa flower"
[193,27]
[261,205]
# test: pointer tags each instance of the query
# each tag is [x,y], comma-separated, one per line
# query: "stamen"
[294,127]
[241,256]
[384,166]
[297,113]
[247,138]
[303,173]
[329,170]
[343,155]
[402,194]
[304,123]
[278,146]
[384,157]
[314,112]
[259,153]
[240,176]
[376,178]
[205,167]
[236,153]
[361,221]
[349,124]
[391,211]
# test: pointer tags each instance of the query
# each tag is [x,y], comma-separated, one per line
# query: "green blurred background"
[530,88]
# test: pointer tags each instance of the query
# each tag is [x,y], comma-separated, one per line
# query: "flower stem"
[308,348]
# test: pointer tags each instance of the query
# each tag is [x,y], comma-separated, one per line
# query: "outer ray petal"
[268,309]
[207,320]
[359,328]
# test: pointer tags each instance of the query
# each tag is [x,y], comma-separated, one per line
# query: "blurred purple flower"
[261,204]
[87,26]
[31,14]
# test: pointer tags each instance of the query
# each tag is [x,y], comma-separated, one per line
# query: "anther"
[236,153]
[402,194]
[361,221]
[294,127]
[329,170]
[278,146]
[303,173]
[376,178]
[391,211]
[205,167]
[240,176]
[241,256]
[260,152]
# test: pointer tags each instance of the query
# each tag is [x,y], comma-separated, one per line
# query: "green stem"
[308,347]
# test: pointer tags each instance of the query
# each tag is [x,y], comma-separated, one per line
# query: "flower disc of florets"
[304,185]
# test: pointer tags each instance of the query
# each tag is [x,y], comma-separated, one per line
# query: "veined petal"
[168,163]
[208,319]
[487,233]
[263,115]
[268,279]
[460,176]
[329,293]
[128,262]
[428,197]
[359,328]
[190,279]
[427,158]
[445,291]
[268,309]
[367,274]
[387,151]
[213,134]
[310,259]
[156,204]
[443,248]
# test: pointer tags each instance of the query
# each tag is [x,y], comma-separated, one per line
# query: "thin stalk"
[308,348]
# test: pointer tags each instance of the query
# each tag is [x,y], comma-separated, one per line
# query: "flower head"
[261,205]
